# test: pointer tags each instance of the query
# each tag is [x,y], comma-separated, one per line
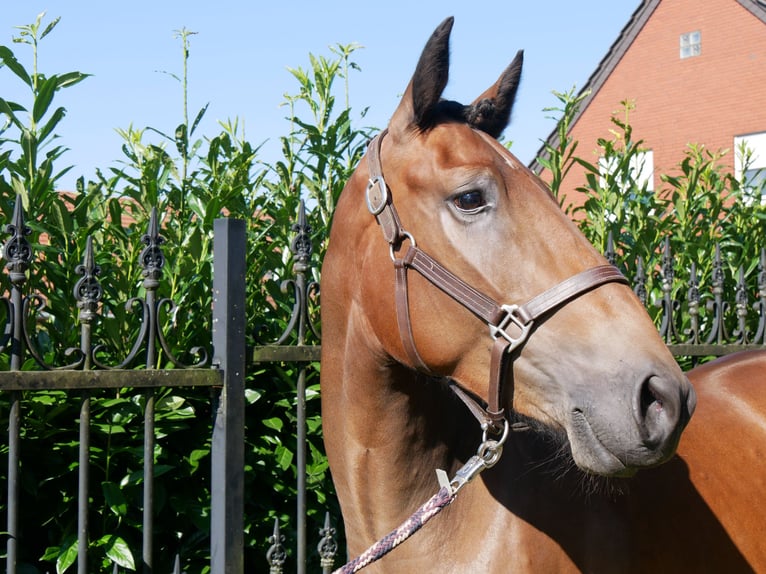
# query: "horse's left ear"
[491,111]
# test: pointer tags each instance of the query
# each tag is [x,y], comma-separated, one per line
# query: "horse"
[461,309]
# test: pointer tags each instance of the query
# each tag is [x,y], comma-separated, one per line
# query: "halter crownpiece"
[509,325]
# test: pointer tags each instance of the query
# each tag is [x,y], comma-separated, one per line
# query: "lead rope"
[487,455]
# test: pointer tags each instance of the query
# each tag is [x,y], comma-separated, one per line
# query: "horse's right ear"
[417,107]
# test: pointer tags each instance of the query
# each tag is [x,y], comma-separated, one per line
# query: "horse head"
[591,364]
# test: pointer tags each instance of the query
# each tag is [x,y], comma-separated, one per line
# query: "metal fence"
[223,373]
[697,322]
[692,322]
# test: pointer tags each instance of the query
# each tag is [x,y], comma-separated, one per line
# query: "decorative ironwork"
[303,289]
[717,321]
[301,245]
[152,260]
[693,300]
[717,306]
[17,251]
[327,546]
[668,304]
[639,282]
[276,555]
[88,291]
[741,305]
[23,311]
[20,308]
[298,328]
[760,303]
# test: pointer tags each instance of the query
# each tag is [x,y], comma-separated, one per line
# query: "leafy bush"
[191,180]
[699,206]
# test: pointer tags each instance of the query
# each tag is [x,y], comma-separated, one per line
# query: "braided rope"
[431,508]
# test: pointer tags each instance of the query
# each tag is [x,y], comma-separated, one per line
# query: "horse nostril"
[649,399]
[657,410]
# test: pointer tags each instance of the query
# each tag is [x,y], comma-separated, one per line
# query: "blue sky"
[242,49]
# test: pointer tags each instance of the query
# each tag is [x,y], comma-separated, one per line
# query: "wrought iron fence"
[304,291]
[88,373]
[703,322]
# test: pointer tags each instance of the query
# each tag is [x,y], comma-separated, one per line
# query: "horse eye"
[470,201]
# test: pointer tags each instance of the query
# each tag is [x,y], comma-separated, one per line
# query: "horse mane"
[486,115]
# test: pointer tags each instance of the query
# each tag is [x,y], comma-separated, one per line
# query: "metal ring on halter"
[501,441]
[490,452]
[405,235]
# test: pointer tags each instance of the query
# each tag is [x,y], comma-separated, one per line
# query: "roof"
[620,46]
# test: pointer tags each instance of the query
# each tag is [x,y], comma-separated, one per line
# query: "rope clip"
[487,455]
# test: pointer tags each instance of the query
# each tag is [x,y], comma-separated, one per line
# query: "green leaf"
[29,143]
[43,98]
[8,108]
[196,456]
[181,139]
[284,457]
[7,57]
[49,28]
[198,119]
[62,219]
[57,116]
[114,498]
[171,403]
[67,556]
[117,551]
[273,423]
[70,79]
[251,396]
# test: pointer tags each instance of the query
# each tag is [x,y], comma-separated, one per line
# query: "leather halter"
[509,325]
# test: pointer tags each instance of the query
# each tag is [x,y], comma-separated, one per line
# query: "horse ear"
[424,91]
[491,111]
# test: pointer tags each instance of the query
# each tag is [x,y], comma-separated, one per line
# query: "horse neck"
[412,426]
[389,430]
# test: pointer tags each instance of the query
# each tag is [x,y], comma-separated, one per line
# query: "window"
[690,44]
[750,163]
[640,175]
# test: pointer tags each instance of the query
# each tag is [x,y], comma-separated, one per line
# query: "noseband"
[509,325]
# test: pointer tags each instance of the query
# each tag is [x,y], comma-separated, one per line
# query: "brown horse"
[570,361]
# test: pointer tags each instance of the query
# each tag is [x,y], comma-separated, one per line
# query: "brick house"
[696,72]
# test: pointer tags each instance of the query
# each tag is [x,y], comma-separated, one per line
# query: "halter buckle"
[512,317]
[376,200]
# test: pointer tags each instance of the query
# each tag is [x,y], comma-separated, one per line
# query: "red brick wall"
[706,99]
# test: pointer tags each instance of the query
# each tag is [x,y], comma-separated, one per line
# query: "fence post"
[18,254]
[227,504]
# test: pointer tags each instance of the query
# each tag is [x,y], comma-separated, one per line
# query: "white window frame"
[690,44]
[641,170]
[756,169]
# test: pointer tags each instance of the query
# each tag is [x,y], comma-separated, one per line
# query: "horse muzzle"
[606,440]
